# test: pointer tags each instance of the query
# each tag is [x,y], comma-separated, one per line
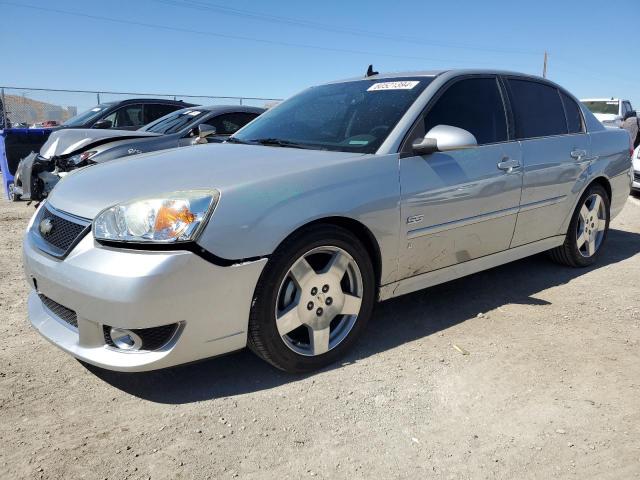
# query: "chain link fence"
[39,107]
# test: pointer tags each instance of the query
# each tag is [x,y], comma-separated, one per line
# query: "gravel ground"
[529,370]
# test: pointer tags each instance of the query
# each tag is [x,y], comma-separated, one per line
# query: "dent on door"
[551,170]
[457,206]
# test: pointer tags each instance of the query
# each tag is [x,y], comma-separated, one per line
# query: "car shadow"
[394,323]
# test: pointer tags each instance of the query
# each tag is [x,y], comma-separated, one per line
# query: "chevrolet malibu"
[349,193]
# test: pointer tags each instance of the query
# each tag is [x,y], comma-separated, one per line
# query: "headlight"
[175,217]
[78,159]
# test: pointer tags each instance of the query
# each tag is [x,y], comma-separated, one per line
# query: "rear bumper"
[136,289]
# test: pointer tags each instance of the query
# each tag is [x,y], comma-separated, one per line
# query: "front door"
[460,205]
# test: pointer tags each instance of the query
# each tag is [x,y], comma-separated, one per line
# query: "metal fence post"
[98,96]
[5,120]
[240,100]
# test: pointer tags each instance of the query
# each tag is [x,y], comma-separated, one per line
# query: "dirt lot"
[550,388]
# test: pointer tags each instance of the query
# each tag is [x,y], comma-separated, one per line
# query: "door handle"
[508,165]
[578,154]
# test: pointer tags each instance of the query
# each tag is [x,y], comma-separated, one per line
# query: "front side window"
[537,109]
[128,116]
[474,105]
[352,116]
[230,123]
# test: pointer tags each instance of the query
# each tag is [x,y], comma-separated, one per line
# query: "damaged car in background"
[68,150]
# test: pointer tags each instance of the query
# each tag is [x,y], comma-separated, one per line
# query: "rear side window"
[475,105]
[574,117]
[154,111]
[537,109]
[127,116]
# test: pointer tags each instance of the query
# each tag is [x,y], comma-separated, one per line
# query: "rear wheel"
[313,299]
[587,231]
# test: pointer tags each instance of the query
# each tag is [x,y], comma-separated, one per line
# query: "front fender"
[253,218]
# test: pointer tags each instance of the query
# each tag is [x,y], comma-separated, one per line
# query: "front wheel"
[313,299]
[587,231]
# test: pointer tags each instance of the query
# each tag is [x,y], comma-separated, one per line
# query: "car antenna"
[370,72]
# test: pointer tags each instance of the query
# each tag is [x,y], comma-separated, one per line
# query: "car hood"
[76,140]
[87,191]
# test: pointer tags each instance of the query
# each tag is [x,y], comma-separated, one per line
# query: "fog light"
[125,339]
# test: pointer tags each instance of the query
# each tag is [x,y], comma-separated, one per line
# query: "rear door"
[460,205]
[555,151]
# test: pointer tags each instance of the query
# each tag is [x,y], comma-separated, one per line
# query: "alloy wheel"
[592,224]
[319,300]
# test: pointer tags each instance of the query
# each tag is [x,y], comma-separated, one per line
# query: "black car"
[129,114]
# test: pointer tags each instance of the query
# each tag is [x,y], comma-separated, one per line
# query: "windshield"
[350,117]
[603,106]
[175,121]
[87,116]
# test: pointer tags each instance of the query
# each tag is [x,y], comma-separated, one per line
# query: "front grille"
[63,313]
[57,233]
[636,176]
[152,338]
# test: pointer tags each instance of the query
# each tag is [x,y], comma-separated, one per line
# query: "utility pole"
[544,68]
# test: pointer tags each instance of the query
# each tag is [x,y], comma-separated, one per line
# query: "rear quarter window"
[537,109]
[572,111]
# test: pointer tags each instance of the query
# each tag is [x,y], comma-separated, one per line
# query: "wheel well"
[604,183]
[361,232]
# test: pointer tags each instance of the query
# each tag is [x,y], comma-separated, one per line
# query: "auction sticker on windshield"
[405,85]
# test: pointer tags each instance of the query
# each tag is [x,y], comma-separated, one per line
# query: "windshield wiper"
[277,142]
[236,140]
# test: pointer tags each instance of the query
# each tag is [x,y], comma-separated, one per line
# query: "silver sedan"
[283,238]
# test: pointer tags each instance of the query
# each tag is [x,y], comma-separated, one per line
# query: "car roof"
[451,72]
[152,100]
[611,99]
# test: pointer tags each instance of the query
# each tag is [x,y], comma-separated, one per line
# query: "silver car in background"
[283,238]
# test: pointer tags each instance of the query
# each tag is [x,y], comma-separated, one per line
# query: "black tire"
[568,253]
[263,336]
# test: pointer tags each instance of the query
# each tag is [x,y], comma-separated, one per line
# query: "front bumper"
[140,289]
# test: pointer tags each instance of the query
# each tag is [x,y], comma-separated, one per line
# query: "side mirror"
[630,114]
[443,138]
[205,130]
[103,124]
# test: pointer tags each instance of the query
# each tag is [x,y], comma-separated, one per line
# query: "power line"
[219,35]
[203,5]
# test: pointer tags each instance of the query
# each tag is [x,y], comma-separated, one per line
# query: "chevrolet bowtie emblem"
[46,226]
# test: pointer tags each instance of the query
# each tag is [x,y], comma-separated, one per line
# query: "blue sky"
[585,38]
